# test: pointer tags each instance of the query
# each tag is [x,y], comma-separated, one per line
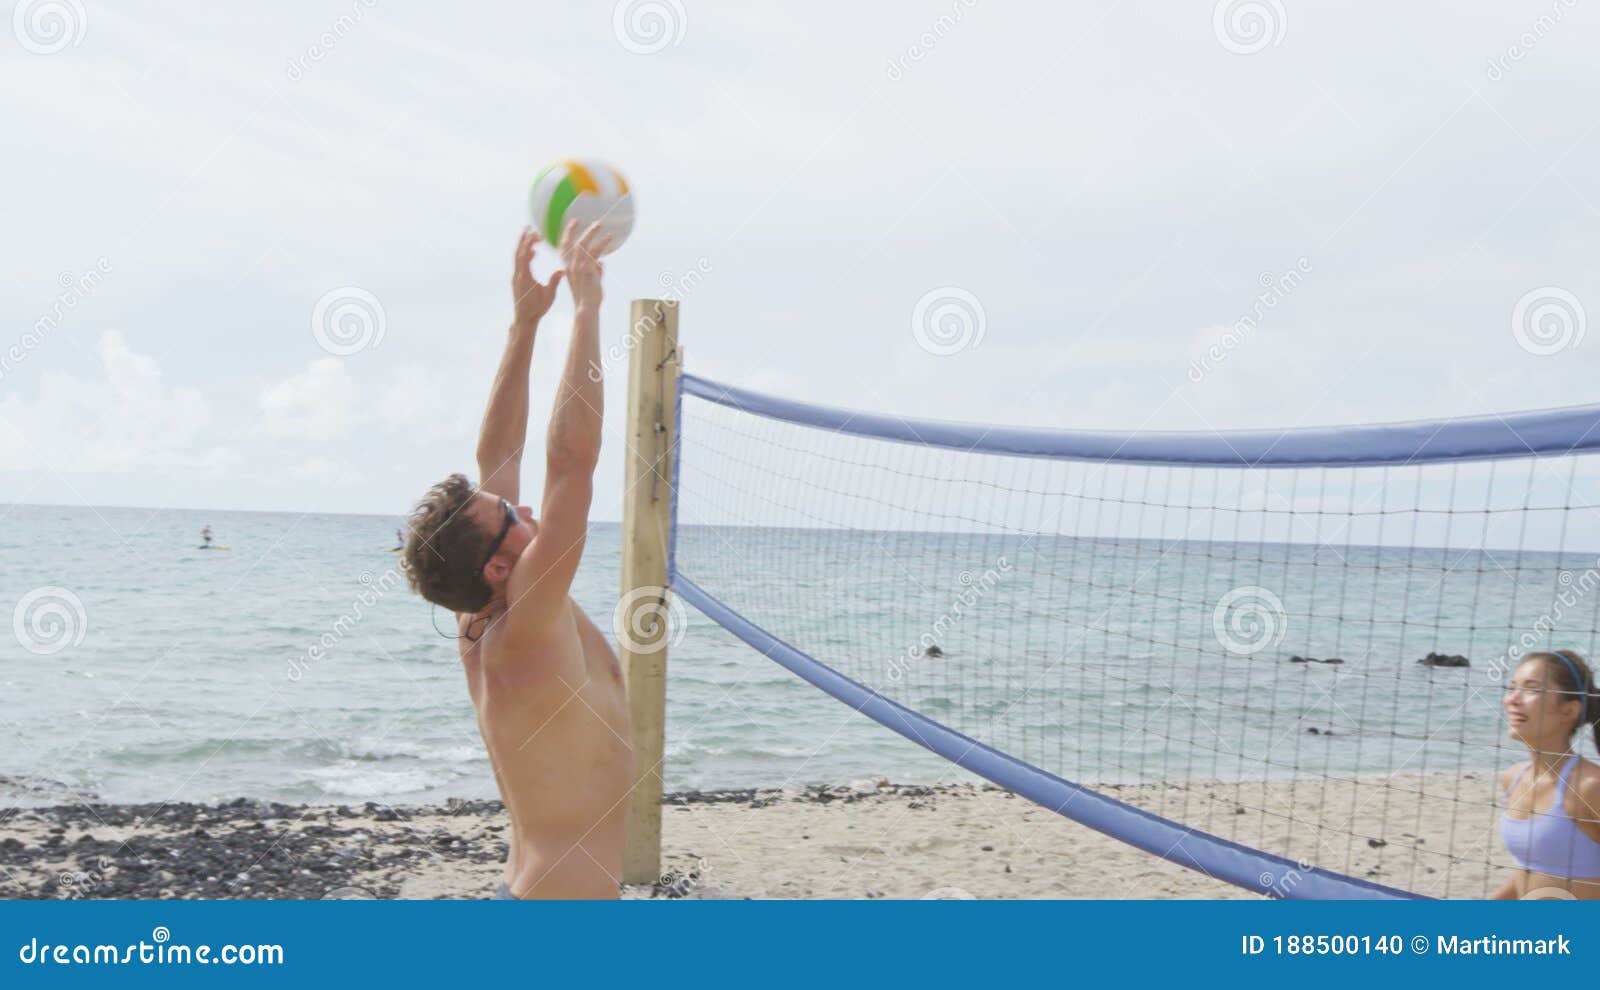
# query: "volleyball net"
[1276,657]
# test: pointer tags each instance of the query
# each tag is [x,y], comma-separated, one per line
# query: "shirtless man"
[548,690]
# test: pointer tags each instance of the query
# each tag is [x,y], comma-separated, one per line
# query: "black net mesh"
[1307,661]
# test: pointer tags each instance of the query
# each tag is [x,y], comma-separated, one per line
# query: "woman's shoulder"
[1583,797]
[1585,780]
[1510,773]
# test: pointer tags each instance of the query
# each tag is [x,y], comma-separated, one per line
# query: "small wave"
[363,782]
[401,748]
[743,751]
[31,789]
[319,749]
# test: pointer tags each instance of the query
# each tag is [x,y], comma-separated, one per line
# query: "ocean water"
[1139,660]
[179,674]
[159,672]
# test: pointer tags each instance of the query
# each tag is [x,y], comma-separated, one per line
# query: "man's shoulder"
[507,644]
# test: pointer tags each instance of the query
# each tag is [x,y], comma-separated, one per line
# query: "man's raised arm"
[573,443]
[543,575]
[505,421]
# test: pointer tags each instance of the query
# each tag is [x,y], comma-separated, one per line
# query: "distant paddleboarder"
[205,534]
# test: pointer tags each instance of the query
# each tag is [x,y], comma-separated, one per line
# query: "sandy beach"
[869,839]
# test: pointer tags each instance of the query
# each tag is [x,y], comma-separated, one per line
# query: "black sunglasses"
[505,527]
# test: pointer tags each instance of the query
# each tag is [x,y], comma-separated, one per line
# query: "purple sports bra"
[1550,841]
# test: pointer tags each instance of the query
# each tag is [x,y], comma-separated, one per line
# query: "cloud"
[1110,187]
[127,419]
[326,401]
[318,402]
[323,471]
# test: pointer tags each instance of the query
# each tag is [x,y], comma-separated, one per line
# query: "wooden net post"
[646,524]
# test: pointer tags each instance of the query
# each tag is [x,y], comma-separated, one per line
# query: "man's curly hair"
[444,548]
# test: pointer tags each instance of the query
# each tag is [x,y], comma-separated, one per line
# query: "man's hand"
[531,298]
[581,258]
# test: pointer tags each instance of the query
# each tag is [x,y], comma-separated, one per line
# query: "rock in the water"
[1444,660]
[933,651]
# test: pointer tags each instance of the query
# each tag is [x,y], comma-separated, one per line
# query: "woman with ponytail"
[1551,824]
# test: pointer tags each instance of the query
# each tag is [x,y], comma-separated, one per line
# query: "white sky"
[1108,180]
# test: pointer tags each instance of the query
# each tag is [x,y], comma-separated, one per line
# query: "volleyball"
[585,191]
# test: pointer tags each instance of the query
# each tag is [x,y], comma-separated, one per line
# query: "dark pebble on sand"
[183,850]
[385,813]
